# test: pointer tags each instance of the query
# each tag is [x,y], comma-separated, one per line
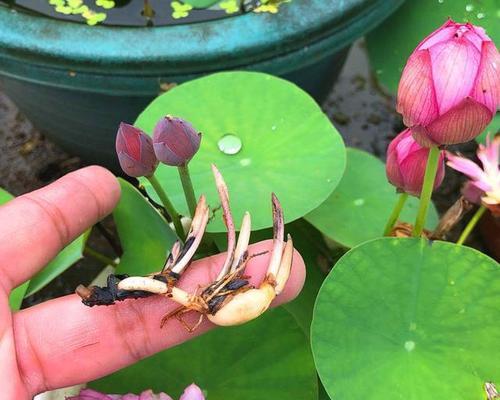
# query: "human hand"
[61,342]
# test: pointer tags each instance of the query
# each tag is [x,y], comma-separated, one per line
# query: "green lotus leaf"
[268,358]
[408,319]
[288,146]
[65,259]
[360,206]
[17,295]
[144,234]
[390,45]
[5,196]
[72,253]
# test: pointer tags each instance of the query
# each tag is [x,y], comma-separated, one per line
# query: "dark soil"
[364,115]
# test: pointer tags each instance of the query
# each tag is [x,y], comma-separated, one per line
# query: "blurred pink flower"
[192,392]
[89,394]
[450,87]
[406,162]
[484,184]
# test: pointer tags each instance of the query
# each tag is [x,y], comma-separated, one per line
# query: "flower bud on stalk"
[175,141]
[135,151]
[450,87]
[406,162]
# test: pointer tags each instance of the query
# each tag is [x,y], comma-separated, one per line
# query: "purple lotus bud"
[135,151]
[450,87]
[406,162]
[175,141]
[192,392]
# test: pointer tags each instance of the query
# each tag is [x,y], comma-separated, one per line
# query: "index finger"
[37,225]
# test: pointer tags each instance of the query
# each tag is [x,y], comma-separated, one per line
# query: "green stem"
[472,223]
[428,187]
[88,251]
[168,206]
[395,213]
[187,186]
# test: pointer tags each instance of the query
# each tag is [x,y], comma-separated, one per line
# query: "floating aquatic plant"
[94,12]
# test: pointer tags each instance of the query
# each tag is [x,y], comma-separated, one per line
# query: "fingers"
[37,225]
[62,342]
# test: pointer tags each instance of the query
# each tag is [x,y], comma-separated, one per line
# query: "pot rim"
[204,46]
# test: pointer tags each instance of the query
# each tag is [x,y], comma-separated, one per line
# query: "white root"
[285,266]
[228,220]
[279,233]
[243,240]
[156,287]
[172,257]
[197,230]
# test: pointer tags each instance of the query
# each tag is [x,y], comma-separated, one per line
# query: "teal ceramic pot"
[76,82]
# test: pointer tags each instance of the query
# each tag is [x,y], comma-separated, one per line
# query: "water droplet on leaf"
[229,144]
[244,162]
[359,202]
[469,7]
[409,345]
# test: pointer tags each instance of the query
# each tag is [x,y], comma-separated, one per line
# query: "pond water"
[138,12]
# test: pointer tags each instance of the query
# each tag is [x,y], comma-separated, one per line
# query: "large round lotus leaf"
[268,358]
[288,146]
[360,206]
[391,44]
[408,319]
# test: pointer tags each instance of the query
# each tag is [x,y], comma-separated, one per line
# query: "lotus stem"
[472,223]
[169,207]
[395,213]
[88,251]
[187,186]
[428,187]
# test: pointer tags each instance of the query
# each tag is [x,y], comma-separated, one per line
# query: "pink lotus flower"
[450,87]
[135,151]
[175,141]
[484,186]
[406,162]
